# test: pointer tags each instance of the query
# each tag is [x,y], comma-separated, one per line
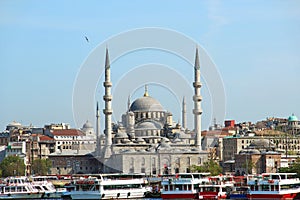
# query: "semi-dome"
[145,104]
[148,125]
[292,118]
[249,151]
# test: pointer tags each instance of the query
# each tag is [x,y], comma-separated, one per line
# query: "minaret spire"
[128,103]
[146,91]
[98,145]
[183,113]
[108,110]
[197,101]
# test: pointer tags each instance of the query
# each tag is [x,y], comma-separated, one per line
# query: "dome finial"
[146,91]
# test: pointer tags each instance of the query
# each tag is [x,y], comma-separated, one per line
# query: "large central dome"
[146,104]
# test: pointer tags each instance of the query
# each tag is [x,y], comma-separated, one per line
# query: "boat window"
[275,176]
[19,189]
[117,187]
[166,188]
[184,187]
[171,187]
[291,176]
[282,176]
[265,187]
[272,187]
[285,187]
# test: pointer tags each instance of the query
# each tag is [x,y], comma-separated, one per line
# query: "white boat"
[109,186]
[46,187]
[218,187]
[274,186]
[182,185]
[18,188]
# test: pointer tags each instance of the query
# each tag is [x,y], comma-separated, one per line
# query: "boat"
[45,186]
[274,186]
[241,188]
[218,187]
[182,185]
[108,186]
[18,188]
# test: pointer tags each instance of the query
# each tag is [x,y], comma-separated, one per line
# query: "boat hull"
[179,196]
[21,196]
[272,196]
[123,194]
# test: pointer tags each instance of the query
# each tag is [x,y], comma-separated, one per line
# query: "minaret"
[183,114]
[197,98]
[98,145]
[128,103]
[108,110]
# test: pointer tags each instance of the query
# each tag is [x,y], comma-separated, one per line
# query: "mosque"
[147,140]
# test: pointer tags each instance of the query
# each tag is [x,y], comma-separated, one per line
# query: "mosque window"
[143,161]
[132,162]
[199,161]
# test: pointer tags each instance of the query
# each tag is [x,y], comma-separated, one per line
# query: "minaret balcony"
[107,97]
[107,111]
[197,111]
[107,84]
[197,84]
[197,98]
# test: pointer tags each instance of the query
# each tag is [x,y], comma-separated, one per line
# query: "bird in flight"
[86,38]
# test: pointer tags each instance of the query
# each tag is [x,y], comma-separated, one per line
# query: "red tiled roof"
[68,132]
[45,138]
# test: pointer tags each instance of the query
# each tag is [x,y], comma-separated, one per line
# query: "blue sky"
[254,44]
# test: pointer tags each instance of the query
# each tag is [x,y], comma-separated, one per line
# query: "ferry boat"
[218,187]
[274,186]
[45,186]
[109,186]
[182,185]
[18,188]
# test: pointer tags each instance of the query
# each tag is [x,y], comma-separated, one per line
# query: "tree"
[209,166]
[249,165]
[12,166]
[293,168]
[41,166]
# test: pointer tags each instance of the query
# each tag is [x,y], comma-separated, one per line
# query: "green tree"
[209,166]
[249,166]
[12,166]
[293,168]
[41,166]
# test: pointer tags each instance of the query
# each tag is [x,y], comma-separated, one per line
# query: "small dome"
[87,125]
[121,135]
[146,104]
[15,124]
[292,118]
